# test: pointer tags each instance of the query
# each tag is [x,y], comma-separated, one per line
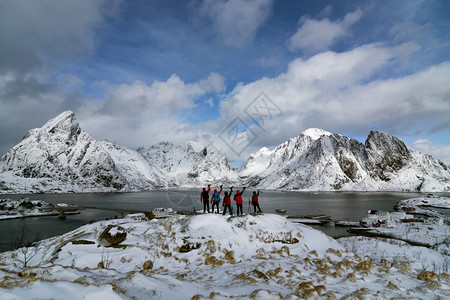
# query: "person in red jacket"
[255,202]
[204,197]
[238,199]
[227,202]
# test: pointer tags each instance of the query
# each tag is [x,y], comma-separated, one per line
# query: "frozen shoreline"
[25,208]
[429,201]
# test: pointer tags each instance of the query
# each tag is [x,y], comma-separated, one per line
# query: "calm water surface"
[99,206]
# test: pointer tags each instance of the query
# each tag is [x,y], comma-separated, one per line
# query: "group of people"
[215,200]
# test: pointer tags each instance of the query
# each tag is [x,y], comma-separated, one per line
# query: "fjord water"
[350,206]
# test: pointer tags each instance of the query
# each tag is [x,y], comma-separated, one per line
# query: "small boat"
[280,211]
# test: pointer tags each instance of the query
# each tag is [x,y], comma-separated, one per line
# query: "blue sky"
[140,72]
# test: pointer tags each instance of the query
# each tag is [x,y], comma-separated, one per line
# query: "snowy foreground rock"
[215,257]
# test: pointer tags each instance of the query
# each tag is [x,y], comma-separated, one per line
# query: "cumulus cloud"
[140,114]
[316,78]
[319,35]
[237,21]
[338,92]
[170,96]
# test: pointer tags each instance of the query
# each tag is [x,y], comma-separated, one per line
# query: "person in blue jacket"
[215,199]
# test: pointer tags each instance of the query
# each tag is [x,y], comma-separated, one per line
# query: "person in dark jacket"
[255,202]
[204,197]
[215,199]
[227,202]
[239,201]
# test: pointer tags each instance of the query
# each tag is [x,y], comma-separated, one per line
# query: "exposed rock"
[118,235]
[148,265]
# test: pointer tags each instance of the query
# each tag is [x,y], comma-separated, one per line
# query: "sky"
[232,75]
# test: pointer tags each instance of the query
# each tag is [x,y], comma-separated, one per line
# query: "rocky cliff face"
[385,155]
[319,160]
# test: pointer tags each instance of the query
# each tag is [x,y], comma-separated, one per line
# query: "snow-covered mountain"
[320,160]
[61,157]
[187,166]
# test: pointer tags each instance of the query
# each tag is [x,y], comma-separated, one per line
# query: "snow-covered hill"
[214,257]
[319,160]
[61,157]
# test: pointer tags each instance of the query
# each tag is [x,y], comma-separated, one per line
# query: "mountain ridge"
[61,157]
[334,162]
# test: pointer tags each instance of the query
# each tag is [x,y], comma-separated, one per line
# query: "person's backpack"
[216,197]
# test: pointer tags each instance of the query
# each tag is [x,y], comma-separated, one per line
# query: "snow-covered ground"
[390,250]
[430,235]
[430,228]
[210,256]
[429,200]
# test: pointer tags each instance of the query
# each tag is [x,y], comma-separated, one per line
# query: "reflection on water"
[99,206]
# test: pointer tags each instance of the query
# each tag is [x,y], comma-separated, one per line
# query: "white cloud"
[140,114]
[213,83]
[318,78]
[441,152]
[315,35]
[237,21]
[209,102]
[336,92]
[171,96]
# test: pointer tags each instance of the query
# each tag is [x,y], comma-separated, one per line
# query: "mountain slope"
[319,160]
[187,167]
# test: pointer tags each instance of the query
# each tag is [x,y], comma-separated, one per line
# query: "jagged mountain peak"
[67,116]
[64,124]
[315,133]
[377,137]
[61,157]
[386,154]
